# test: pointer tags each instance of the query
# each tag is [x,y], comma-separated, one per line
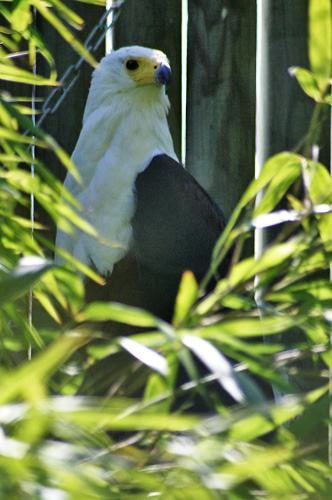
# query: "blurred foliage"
[57,444]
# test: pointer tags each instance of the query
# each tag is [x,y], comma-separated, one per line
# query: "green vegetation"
[56,444]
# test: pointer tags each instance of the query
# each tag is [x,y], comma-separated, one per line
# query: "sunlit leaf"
[307,82]
[320,188]
[64,31]
[15,283]
[112,311]
[21,17]
[320,40]
[70,16]
[186,298]
[217,363]
[21,382]
[14,74]
[148,356]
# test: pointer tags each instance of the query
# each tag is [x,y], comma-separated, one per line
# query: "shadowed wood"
[221,97]
[156,24]
[287,109]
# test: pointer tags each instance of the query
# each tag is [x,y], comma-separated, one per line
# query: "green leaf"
[307,82]
[15,74]
[68,14]
[112,311]
[320,41]
[274,256]
[252,327]
[28,271]
[279,184]
[11,135]
[111,420]
[186,297]
[22,381]
[27,125]
[66,34]
[320,187]
[274,165]
[147,356]
[217,364]
[21,17]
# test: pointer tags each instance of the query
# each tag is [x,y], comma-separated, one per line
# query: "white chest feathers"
[117,142]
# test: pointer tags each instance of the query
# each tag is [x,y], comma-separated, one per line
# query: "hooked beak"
[163,75]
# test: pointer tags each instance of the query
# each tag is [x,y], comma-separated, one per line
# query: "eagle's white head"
[124,127]
[127,74]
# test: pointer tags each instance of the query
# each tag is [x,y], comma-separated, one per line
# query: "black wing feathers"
[175,227]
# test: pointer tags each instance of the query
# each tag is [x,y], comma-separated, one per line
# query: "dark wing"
[175,228]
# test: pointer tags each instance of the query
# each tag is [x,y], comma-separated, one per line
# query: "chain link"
[69,78]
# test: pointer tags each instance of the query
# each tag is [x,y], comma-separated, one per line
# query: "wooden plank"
[284,111]
[221,97]
[287,111]
[157,25]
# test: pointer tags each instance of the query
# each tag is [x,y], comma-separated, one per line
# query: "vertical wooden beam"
[221,97]
[156,24]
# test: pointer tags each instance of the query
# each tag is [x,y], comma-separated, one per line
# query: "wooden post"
[221,97]
[156,24]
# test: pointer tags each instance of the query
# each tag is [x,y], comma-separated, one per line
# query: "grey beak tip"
[163,75]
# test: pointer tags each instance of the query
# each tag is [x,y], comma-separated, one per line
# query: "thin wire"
[184,48]
[33,154]
[330,370]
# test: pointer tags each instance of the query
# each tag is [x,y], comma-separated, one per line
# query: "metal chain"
[70,76]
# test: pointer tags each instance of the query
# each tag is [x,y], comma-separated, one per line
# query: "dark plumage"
[175,227]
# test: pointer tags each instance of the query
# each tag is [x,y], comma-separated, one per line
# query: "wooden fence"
[221,82]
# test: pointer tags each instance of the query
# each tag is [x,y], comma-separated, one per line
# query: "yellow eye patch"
[141,69]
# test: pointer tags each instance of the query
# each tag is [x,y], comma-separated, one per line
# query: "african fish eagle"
[134,191]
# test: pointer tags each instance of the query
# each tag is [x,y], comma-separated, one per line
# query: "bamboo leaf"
[112,311]
[23,381]
[15,283]
[320,41]
[307,82]
[148,356]
[68,14]
[186,297]
[21,17]
[64,32]
[320,187]
[217,363]
[279,184]
[15,74]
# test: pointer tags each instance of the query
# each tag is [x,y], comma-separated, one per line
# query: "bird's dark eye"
[131,64]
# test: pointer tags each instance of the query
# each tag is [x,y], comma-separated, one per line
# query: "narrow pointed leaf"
[113,311]
[18,281]
[217,363]
[148,356]
[186,297]
[320,40]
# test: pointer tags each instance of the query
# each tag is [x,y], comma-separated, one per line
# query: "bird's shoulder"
[165,184]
